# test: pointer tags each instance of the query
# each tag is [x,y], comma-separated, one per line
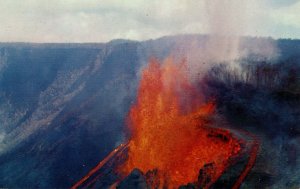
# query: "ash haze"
[104,20]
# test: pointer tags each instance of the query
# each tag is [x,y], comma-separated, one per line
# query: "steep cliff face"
[62,108]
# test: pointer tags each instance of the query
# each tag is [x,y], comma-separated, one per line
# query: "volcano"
[173,142]
[64,109]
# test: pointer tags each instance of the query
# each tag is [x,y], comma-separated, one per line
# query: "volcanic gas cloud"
[169,128]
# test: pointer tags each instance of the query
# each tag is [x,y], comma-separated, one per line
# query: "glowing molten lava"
[169,129]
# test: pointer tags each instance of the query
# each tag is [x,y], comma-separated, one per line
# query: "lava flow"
[169,129]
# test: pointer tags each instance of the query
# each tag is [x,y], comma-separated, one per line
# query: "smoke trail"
[226,23]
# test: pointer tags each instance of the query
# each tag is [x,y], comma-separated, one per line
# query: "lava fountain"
[173,140]
[169,128]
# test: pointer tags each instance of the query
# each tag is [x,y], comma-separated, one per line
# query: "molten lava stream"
[169,133]
[83,180]
[252,158]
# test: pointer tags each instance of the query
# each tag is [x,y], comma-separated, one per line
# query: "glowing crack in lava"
[168,126]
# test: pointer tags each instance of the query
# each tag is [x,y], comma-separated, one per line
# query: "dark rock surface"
[135,180]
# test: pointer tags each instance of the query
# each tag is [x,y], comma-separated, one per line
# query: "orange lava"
[169,130]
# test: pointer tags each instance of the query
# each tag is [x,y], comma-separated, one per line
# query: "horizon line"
[135,40]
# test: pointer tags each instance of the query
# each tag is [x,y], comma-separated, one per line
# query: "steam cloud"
[227,23]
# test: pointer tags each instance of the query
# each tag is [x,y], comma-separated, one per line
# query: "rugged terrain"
[63,107]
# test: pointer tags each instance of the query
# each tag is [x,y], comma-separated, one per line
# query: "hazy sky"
[103,20]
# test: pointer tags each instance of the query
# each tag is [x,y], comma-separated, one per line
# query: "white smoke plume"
[227,23]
